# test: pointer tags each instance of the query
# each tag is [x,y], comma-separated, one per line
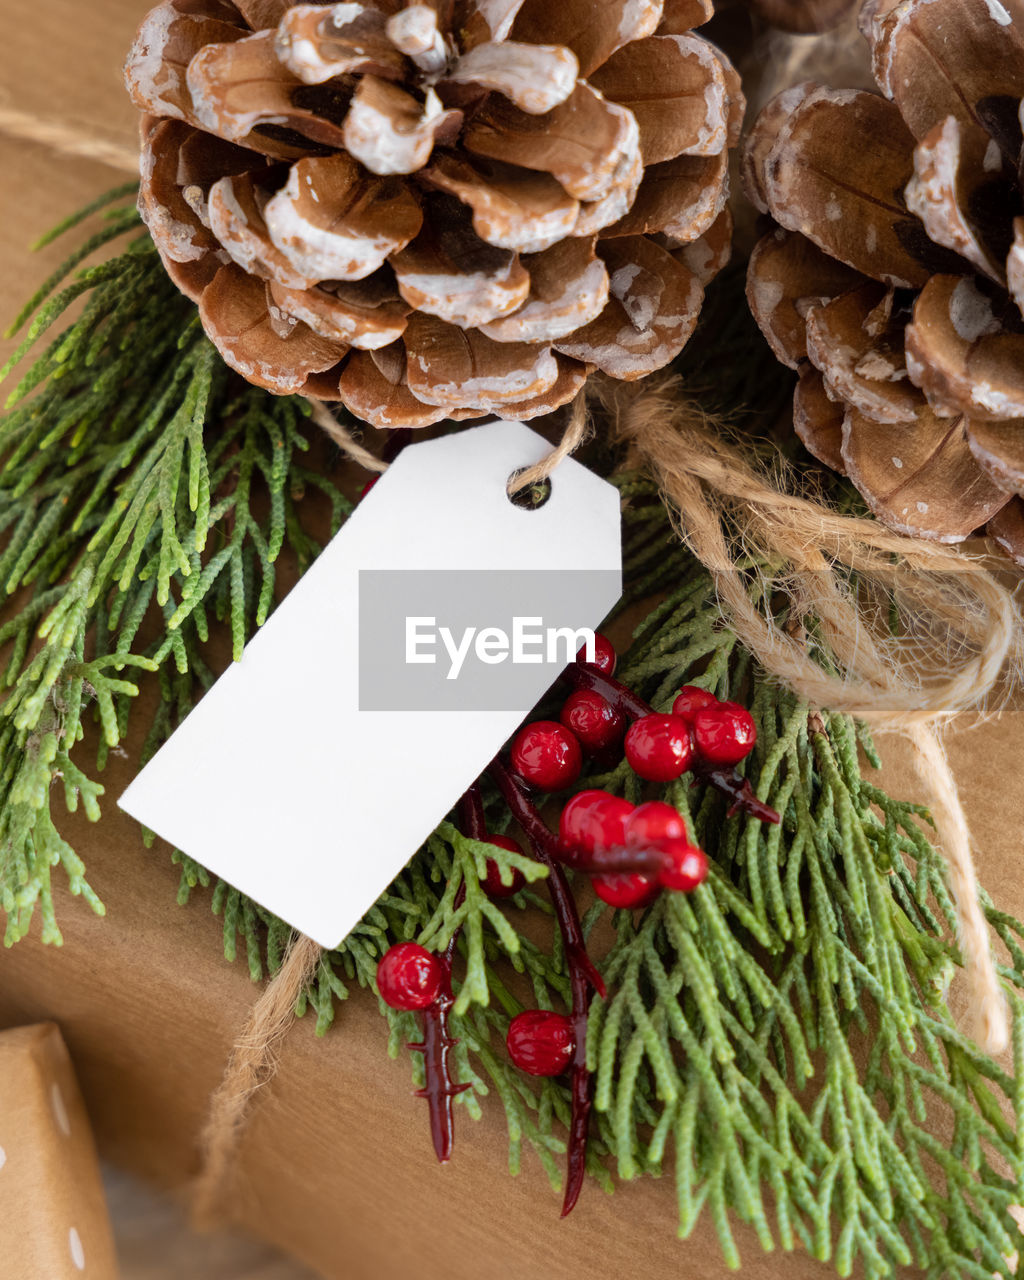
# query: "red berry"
[492,884]
[592,719]
[593,821]
[541,1043]
[651,823]
[724,734]
[658,747]
[625,889]
[691,700]
[409,977]
[546,755]
[685,867]
[605,656]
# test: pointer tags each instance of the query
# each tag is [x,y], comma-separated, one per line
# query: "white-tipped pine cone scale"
[437,210]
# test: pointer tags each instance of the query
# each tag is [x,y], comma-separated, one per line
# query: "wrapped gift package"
[53,1216]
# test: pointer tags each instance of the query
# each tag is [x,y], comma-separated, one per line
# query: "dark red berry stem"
[544,843]
[582,1092]
[471,814]
[738,790]
[730,783]
[436,1047]
[583,976]
[583,675]
[619,861]
[437,1042]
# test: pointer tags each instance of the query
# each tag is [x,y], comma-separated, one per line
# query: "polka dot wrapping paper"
[53,1215]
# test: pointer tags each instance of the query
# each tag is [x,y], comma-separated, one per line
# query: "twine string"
[343,438]
[251,1066]
[66,140]
[578,429]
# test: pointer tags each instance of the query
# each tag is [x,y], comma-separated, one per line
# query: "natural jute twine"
[725,510]
[253,1062]
[66,140]
[576,431]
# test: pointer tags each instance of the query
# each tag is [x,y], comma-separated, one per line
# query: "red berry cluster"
[631,852]
[548,754]
[699,730]
[598,829]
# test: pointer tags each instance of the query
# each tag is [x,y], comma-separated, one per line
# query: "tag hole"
[530,498]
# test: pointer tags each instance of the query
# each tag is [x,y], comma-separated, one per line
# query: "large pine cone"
[895,284]
[441,210]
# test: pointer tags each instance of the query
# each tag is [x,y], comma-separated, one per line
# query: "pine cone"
[430,211]
[895,281]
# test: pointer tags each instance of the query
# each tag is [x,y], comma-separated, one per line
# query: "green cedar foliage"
[778,1041]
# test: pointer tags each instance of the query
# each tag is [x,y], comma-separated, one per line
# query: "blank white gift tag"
[282,780]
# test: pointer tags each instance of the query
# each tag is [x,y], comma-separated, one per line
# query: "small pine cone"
[437,210]
[894,282]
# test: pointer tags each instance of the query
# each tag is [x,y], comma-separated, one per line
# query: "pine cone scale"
[942,187]
[832,174]
[534,78]
[448,365]
[238,225]
[235,306]
[315,46]
[236,88]
[580,142]
[998,448]
[681,198]
[167,42]
[358,315]
[862,364]
[525,212]
[460,160]
[693,120]
[932,68]
[568,289]
[592,29]
[926,482]
[818,420]
[652,309]
[334,222]
[1015,265]
[451,275]
[963,358]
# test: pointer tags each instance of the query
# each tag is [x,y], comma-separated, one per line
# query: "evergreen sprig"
[779,1039]
[144,491]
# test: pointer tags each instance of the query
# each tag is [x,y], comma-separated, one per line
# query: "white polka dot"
[3,1157]
[77,1252]
[60,1111]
